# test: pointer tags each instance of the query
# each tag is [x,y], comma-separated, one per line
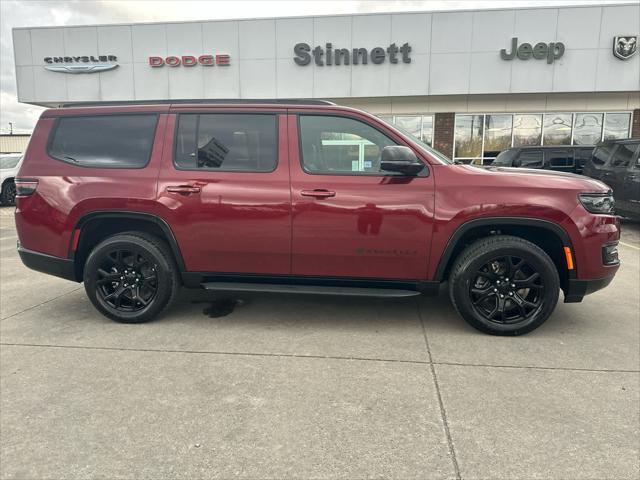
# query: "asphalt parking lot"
[314,387]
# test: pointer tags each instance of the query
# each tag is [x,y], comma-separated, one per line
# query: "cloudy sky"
[31,13]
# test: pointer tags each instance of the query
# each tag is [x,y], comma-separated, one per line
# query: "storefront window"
[616,125]
[527,130]
[427,130]
[497,134]
[420,126]
[412,124]
[557,128]
[587,128]
[468,136]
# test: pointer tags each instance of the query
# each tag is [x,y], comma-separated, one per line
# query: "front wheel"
[504,285]
[131,277]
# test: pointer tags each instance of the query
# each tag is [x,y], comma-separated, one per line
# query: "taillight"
[25,186]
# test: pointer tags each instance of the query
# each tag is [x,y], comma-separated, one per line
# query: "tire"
[8,194]
[131,277]
[484,295]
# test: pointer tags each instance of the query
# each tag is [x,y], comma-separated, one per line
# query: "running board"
[308,289]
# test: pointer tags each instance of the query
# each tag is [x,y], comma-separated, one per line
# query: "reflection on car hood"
[544,175]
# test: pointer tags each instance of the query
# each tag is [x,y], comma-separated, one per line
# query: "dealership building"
[471,83]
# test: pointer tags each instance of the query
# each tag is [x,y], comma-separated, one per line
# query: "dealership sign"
[344,56]
[551,51]
[190,61]
[81,63]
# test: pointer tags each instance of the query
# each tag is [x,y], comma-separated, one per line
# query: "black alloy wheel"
[8,194]
[131,277]
[127,280]
[507,290]
[504,285]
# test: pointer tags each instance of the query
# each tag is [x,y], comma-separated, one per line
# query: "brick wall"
[635,128]
[443,125]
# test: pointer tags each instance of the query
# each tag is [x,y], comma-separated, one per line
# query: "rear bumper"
[59,267]
[577,289]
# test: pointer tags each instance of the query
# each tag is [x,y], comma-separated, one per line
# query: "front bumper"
[59,267]
[576,289]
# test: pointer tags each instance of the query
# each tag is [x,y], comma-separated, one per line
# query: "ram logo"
[625,46]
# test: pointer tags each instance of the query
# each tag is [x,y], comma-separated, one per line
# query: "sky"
[32,13]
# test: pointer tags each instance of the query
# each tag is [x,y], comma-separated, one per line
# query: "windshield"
[504,158]
[430,150]
[9,161]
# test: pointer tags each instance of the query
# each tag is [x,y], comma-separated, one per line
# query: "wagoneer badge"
[81,64]
[625,46]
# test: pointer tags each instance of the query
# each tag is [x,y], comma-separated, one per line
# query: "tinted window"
[559,158]
[623,155]
[340,145]
[227,142]
[601,154]
[505,158]
[106,141]
[529,159]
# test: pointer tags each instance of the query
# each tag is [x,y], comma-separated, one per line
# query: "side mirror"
[396,158]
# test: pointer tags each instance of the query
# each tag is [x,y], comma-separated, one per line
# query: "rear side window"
[529,159]
[227,142]
[104,141]
[561,158]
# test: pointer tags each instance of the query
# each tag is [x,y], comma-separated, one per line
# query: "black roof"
[621,140]
[243,101]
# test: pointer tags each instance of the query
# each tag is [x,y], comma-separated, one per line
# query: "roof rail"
[242,101]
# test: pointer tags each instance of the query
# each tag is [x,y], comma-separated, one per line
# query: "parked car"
[617,163]
[9,166]
[304,197]
[561,158]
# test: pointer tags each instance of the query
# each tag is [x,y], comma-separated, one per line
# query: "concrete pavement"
[314,387]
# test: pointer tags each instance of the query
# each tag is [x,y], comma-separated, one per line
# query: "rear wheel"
[8,194]
[131,277]
[504,285]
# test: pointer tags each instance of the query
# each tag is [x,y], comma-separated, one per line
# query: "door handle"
[183,189]
[318,193]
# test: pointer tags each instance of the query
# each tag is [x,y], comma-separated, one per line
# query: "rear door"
[350,218]
[224,189]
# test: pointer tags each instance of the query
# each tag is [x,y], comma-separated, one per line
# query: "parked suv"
[617,163]
[561,158]
[9,166]
[136,200]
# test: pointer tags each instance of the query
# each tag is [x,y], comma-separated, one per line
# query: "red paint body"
[378,227]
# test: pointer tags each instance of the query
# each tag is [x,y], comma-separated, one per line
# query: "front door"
[224,190]
[350,218]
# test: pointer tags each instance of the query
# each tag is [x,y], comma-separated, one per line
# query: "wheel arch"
[548,235]
[96,226]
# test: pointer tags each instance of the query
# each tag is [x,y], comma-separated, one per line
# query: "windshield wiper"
[67,157]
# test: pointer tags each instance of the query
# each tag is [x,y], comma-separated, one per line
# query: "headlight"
[597,202]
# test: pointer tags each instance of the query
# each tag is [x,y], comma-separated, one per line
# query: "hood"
[540,177]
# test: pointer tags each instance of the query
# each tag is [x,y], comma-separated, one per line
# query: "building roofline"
[409,12]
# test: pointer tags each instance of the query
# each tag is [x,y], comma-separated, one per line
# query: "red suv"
[290,196]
